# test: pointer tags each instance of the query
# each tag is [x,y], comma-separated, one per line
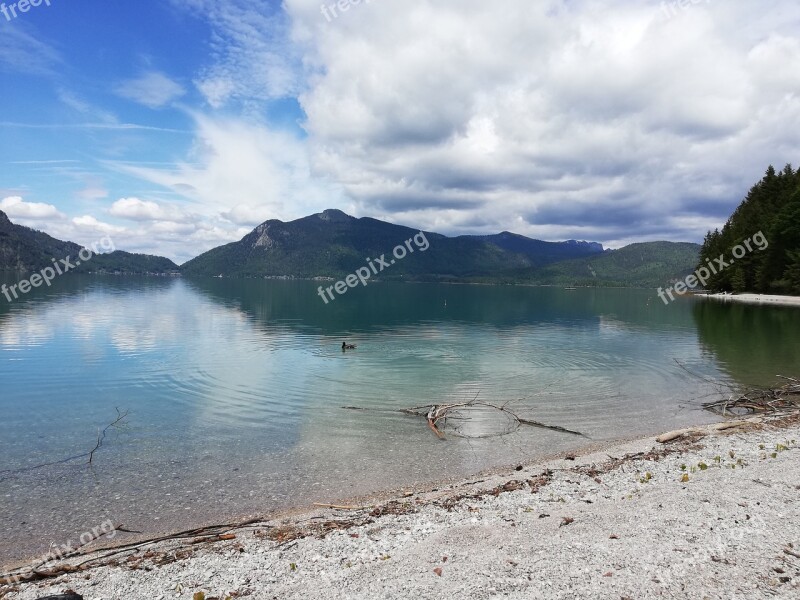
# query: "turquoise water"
[234,389]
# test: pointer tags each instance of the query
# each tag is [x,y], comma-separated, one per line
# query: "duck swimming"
[346,346]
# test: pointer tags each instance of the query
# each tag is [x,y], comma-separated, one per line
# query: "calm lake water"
[235,389]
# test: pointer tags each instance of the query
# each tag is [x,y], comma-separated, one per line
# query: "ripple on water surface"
[236,393]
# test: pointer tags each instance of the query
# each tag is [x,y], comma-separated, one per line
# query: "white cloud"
[160,228]
[588,119]
[22,52]
[81,106]
[597,119]
[16,208]
[135,209]
[247,215]
[251,54]
[240,171]
[152,89]
[88,223]
[92,192]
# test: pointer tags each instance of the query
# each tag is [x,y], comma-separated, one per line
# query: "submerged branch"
[101,436]
[434,414]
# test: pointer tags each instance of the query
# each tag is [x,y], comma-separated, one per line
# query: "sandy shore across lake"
[755,299]
[712,514]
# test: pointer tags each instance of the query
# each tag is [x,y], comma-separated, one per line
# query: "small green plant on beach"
[781,448]
[718,459]
[647,477]
[292,567]
[702,466]
[683,467]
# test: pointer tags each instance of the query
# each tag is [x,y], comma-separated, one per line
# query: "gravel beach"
[712,514]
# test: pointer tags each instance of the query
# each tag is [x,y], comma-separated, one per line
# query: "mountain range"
[332,244]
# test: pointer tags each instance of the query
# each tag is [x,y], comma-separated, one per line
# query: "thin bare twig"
[101,435]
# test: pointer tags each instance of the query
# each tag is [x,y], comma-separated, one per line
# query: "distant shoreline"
[192,277]
[770,299]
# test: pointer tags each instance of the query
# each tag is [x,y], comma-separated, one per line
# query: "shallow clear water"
[235,389]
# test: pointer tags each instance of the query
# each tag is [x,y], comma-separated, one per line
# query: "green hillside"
[333,244]
[27,250]
[649,264]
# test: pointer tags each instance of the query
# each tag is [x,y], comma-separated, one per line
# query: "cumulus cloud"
[591,119]
[91,224]
[152,89]
[16,208]
[135,209]
[246,215]
[597,119]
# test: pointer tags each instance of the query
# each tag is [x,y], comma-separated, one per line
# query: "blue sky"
[178,125]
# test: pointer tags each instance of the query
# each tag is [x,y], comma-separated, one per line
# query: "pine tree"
[772,207]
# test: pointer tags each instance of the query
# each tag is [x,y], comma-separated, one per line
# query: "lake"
[234,389]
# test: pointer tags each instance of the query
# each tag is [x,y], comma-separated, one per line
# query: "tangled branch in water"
[438,416]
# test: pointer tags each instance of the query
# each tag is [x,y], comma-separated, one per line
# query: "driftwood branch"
[212,533]
[749,401]
[340,506]
[739,401]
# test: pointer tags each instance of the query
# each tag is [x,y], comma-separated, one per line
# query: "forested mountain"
[27,250]
[128,263]
[24,249]
[334,244]
[647,264]
[772,207]
[541,253]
